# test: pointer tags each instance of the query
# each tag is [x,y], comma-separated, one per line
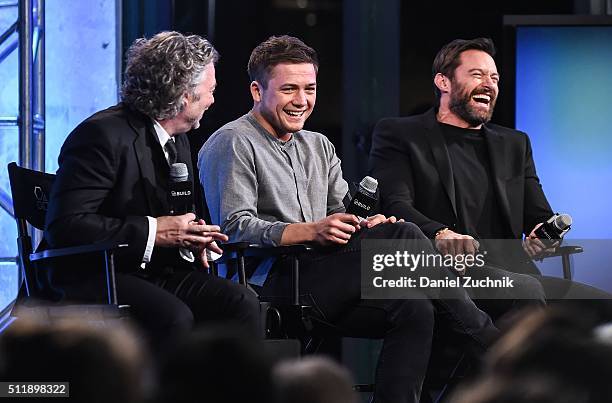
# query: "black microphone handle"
[361,205]
[180,198]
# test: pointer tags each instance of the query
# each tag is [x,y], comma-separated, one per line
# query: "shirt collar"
[269,136]
[162,134]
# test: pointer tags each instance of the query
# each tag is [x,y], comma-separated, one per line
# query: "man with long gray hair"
[112,184]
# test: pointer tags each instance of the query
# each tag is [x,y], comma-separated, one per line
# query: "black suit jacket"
[112,174]
[410,159]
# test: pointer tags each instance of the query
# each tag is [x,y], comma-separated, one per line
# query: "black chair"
[565,252]
[30,192]
[286,318]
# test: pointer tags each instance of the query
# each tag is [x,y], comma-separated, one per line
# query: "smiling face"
[472,92]
[284,104]
[199,101]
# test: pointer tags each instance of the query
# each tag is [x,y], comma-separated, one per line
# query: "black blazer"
[112,174]
[410,159]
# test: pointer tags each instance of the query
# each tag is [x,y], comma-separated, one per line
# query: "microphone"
[365,199]
[180,196]
[553,229]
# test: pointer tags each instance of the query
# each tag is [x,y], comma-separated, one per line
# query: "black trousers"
[167,306]
[330,278]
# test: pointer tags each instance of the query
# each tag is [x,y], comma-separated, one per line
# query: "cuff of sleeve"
[146,258]
[275,233]
[431,228]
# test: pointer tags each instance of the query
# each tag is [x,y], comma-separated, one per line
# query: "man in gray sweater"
[270,182]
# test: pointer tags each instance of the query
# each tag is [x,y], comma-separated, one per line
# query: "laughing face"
[284,104]
[474,88]
[197,102]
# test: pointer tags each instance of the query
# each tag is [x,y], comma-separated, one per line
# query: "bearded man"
[465,181]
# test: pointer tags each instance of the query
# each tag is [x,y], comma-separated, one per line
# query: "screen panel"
[563,86]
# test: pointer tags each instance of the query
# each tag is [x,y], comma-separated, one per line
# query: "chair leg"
[295,274]
[111,283]
[567,268]
[241,269]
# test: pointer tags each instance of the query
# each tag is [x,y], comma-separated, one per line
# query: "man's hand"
[335,229]
[378,219]
[534,246]
[212,246]
[182,231]
[451,243]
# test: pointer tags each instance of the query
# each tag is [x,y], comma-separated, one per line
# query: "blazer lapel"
[183,151]
[184,155]
[145,151]
[440,153]
[497,154]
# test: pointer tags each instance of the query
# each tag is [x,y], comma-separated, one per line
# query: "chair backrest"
[30,191]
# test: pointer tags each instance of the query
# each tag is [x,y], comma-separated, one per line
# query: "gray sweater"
[256,185]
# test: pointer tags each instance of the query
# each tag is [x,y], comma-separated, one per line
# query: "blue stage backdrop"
[9,143]
[81,77]
[81,66]
[563,87]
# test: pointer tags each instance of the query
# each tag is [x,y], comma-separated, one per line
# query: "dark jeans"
[167,306]
[504,304]
[330,278]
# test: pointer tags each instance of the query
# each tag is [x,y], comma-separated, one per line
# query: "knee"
[400,230]
[245,312]
[250,302]
[413,313]
[411,230]
[530,288]
[244,303]
[182,319]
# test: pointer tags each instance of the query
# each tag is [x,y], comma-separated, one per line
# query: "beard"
[460,105]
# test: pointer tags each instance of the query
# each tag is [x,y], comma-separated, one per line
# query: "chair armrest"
[235,246]
[240,250]
[233,250]
[265,251]
[246,249]
[560,251]
[75,250]
[564,252]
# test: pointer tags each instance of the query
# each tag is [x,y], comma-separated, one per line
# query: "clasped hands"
[339,227]
[183,231]
[449,242]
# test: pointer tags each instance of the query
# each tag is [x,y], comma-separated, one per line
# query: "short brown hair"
[276,50]
[447,59]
